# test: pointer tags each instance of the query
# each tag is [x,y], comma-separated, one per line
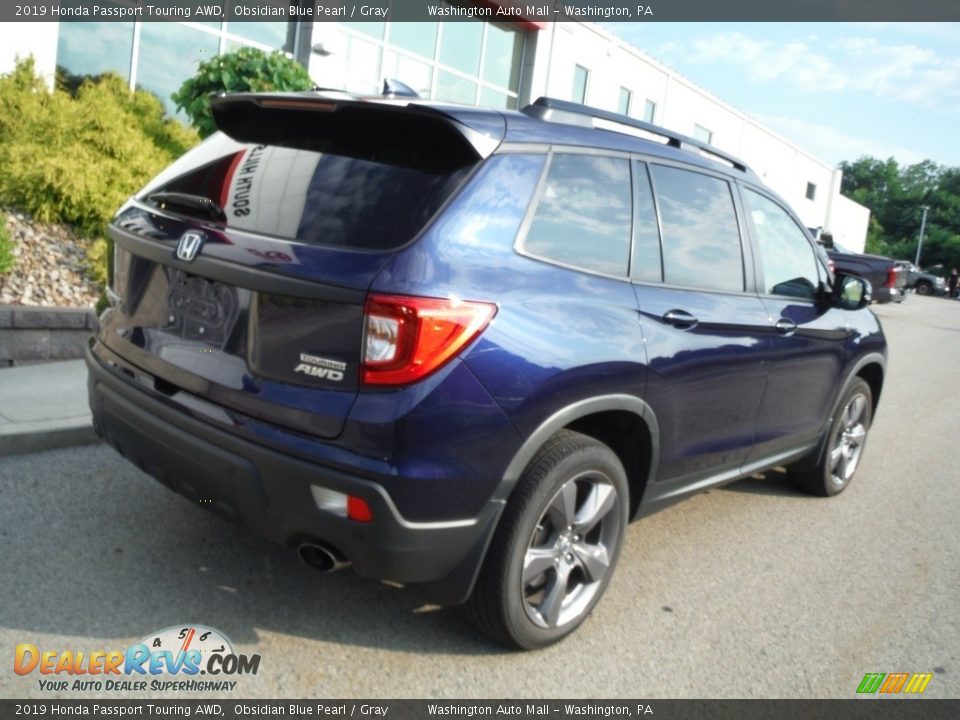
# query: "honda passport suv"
[462,348]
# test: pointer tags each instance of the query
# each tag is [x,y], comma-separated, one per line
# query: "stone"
[49,265]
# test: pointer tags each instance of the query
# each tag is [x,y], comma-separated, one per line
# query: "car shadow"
[772,482]
[104,551]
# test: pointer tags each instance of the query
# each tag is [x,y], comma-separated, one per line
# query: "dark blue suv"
[462,348]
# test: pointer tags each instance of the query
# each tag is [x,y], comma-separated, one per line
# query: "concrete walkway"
[44,407]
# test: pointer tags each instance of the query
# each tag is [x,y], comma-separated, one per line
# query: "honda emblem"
[189,246]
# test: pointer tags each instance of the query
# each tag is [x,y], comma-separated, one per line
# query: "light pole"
[923,225]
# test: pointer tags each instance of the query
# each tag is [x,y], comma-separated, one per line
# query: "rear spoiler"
[409,135]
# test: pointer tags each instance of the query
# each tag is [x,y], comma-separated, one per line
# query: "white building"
[583,62]
[493,64]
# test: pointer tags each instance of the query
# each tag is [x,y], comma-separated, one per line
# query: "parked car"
[925,282]
[461,348]
[887,277]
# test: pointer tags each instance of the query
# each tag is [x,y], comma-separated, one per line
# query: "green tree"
[896,196]
[243,70]
[876,242]
[75,157]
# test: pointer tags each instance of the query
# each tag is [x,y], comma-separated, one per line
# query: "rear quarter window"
[583,216]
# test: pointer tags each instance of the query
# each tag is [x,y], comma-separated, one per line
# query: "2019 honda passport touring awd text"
[462,348]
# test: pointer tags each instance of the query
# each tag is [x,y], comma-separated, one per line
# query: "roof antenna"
[395,88]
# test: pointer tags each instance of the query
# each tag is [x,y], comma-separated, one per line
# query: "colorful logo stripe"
[892,683]
[918,683]
[871,683]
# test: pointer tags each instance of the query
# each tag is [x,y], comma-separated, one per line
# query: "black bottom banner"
[866,708]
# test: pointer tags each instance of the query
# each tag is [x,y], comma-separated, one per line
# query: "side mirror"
[823,237]
[851,292]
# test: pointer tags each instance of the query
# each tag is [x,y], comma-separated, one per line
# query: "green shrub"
[243,70]
[98,259]
[6,249]
[76,157]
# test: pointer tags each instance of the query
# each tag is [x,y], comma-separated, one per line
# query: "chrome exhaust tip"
[322,557]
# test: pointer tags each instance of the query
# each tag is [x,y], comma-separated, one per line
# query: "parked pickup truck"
[888,277]
[926,282]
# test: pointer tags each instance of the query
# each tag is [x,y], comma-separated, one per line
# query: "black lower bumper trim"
[271,492]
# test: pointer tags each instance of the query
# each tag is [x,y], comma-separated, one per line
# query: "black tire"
[923,288]
[844,445]
[565,522]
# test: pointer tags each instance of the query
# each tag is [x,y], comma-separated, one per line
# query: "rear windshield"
[311,197]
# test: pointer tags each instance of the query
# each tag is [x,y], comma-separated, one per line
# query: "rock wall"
[49,267]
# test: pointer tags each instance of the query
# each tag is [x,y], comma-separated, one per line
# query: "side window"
[789,263]
[583,217]
[701,238]
[645,265]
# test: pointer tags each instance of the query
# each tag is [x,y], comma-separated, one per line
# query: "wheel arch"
[625,423]
[870,368]
[597,417]
[872,373]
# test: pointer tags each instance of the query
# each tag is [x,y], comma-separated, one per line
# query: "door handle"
[785,327]
[680,319]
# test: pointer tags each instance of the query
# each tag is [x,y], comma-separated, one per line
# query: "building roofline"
[679,77]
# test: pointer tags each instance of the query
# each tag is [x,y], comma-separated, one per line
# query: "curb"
[48,436]
[41,334]
[43,407]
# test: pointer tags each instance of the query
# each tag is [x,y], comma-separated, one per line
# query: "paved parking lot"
[753,590]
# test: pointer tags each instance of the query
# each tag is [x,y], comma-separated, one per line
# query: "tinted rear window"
[583,217]
[314,197]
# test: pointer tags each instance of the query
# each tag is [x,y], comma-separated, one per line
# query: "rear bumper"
[885,294]
[270,492]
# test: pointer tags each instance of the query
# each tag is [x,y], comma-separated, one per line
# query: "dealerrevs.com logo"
[171,659]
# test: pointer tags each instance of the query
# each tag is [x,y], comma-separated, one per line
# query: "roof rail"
[564,111]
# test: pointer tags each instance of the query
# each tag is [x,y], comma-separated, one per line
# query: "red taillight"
[407,338]
[891,277]
[357,509]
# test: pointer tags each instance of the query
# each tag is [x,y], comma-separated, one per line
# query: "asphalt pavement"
[754,590]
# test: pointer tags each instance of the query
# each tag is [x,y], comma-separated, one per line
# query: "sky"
[838,90]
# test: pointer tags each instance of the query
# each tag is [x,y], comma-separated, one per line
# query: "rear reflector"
[407,338]
[341,504]
[357,509]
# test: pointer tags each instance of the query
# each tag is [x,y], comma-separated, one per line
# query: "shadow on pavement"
[773,482]
[92,547]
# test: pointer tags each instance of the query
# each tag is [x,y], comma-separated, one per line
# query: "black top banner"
[492,10]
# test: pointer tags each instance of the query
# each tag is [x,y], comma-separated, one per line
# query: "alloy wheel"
[570,551]
[848,441]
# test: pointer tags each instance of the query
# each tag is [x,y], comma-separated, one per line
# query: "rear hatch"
[241,272]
